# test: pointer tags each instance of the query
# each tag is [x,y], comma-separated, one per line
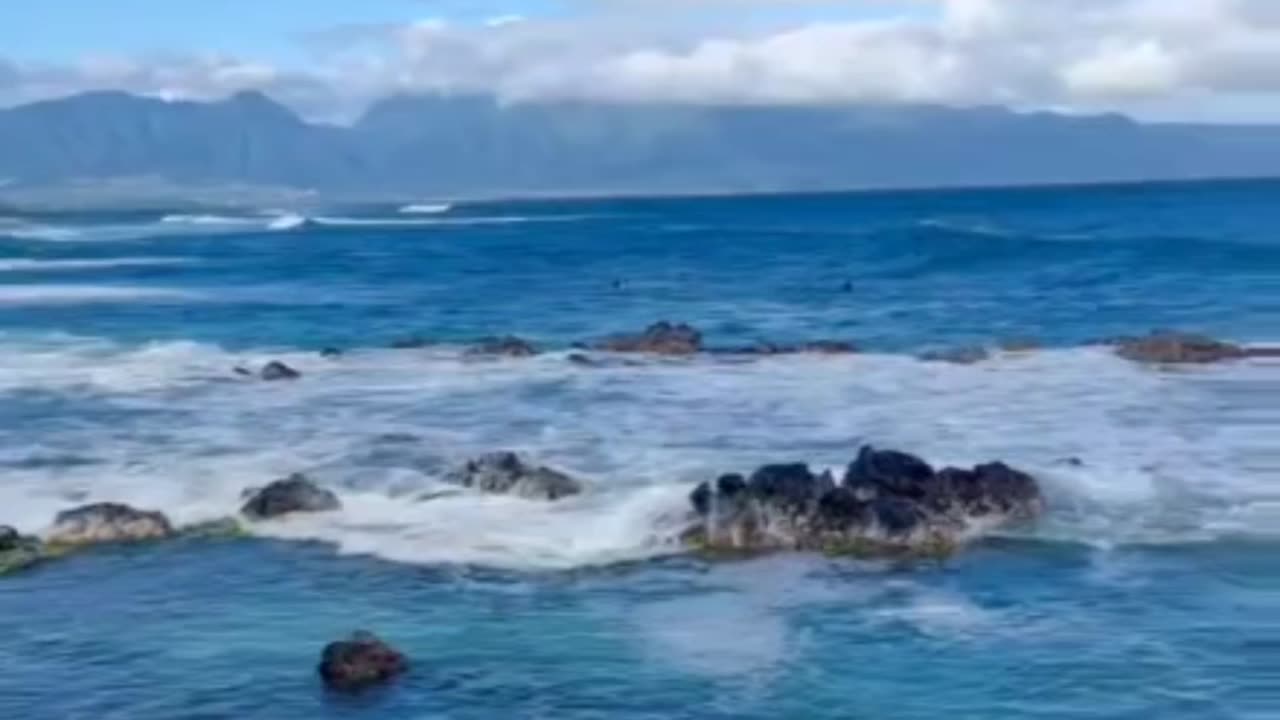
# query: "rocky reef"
[506,473]
[1169,347]
[887,502]
[505,346]
[661,338]
[360,662]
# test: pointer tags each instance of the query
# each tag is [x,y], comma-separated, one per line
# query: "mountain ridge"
[476,144]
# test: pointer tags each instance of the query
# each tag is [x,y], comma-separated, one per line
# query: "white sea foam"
[37,265]
[286,221]
[1166,456]
[46,233]
[80,294]
[373,222]
[426,209]
[209,220]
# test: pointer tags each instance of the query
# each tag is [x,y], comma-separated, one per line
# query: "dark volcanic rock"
[360,662]
[888,471]
[888,502]
[294,494]
[661,338]
[1175,348]
[107,523]
[505,473]
[276,370]
[508,346]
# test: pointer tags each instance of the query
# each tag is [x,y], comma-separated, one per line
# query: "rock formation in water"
[107,523]
[360,662]
[294,494]
[887,502]
[505,473]
[662,338]
[1177,348]
[505,346]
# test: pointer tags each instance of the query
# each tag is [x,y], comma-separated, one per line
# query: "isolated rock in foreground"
[294,494]
[16,551]
[1175,348]
[360,662]
[661,338]
[888,502]
[505,473]
[507,346]
[107,523]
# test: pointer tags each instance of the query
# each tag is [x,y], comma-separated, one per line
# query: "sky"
[1199,60]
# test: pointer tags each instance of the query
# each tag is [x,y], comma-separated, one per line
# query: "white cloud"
[1145,69]
[1168,58]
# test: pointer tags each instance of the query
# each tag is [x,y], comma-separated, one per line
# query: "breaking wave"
[426,209]
[1127,454]
[32,265]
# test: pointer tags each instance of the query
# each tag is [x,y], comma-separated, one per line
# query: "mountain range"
[475,145]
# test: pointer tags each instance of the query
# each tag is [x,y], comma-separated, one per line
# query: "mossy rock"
[935,548]
[20,558]
[225,528]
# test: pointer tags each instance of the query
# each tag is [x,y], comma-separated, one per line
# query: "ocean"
[1150,588]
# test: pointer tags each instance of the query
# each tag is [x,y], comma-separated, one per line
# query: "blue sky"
[1162,59]
[66,29]
[53,30]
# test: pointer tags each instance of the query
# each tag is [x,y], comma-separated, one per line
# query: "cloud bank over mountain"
[1160,59]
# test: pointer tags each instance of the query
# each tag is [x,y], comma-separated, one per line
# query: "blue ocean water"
[1150,589]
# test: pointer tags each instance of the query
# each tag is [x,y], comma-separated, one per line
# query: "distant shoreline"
[107,196]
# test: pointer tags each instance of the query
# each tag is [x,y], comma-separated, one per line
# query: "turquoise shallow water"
[1150,589]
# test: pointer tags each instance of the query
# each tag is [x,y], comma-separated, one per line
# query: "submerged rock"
[294,494]
[276,370]
[1176,348]
[506,346]
[888,502]
[1020,345]
[968,355]
[17,551]
[107,523]
[505,473]
[411,343]
[221,528]
[829,347]
[662,338]
[815,347]
[331,353]
[360,662]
